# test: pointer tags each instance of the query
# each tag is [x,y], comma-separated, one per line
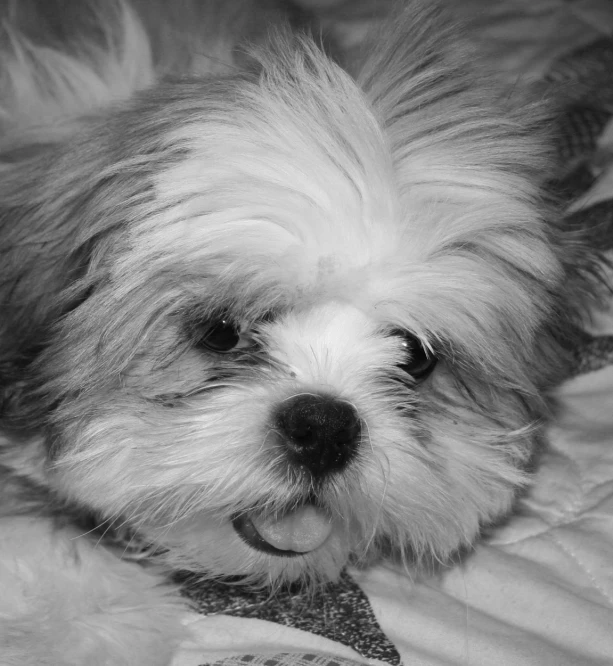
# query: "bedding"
[539,589]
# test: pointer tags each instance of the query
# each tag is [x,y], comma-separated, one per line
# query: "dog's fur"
[157,179]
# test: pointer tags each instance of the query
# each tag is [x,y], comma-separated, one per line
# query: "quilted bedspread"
[538,590]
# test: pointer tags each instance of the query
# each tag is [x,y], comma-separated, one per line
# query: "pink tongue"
[301,530]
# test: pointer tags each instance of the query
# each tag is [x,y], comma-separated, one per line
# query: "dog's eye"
[420,362]
[222,336]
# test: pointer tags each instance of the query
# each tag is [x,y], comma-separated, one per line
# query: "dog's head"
[280,319]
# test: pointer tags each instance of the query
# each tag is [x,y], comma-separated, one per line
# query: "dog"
[260,318]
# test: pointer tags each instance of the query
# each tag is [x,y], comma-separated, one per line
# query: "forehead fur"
[289,189]
[292,157]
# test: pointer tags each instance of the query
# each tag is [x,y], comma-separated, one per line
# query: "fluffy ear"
[59,60]
[44,258]
[65,200]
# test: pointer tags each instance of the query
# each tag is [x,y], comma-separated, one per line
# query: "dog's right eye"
[420,362]
[221,337]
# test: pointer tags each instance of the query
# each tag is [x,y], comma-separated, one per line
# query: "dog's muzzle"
[320,436]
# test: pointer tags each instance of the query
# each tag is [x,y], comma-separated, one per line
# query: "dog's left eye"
[222,336]
[420,361]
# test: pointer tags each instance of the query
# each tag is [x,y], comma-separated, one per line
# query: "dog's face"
[302,322]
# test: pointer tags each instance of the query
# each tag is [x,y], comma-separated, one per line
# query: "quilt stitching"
[581,565]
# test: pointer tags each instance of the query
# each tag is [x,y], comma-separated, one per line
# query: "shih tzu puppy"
[259,318]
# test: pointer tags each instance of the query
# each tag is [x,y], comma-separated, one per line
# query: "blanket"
[539,589]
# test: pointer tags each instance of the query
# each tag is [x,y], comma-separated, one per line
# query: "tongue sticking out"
[300,531]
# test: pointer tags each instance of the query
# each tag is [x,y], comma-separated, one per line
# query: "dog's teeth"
[301,530]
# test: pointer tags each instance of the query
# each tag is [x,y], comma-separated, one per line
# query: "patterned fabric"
[342,612]
[284,659]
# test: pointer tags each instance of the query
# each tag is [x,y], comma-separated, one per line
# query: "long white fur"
[325,214]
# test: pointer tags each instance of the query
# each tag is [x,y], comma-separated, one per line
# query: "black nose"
[321,433]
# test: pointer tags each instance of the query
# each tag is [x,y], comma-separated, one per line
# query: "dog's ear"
[67,197]
[43,260]
[61,213]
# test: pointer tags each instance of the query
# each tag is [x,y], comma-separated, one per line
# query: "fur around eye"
[420,362]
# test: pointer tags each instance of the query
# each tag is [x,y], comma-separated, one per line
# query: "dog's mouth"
[295,532]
